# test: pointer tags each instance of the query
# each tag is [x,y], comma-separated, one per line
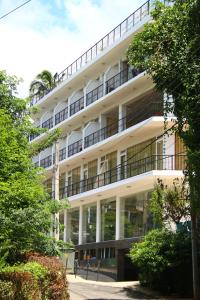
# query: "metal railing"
[153,109]
[94,95]
[75,148]
[48,123]
[126,170]
[76,106]
[107,41]
[62,154]
[46,162]
[61,116]
[120,78]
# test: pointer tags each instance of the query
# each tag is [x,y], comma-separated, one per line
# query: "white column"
[56,186]
[65,225]
[122,114]
[117,234]
[80,234]
[98,222]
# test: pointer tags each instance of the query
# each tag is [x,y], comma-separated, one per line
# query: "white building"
[112,149]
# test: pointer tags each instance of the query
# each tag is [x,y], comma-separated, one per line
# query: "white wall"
[74,137]
[75,96]
[62,105]
[91,128]
[93,84]
[45,153]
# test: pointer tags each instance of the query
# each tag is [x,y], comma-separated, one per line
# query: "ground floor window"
[134,215]
[89,224]
[108,219]
[73,225]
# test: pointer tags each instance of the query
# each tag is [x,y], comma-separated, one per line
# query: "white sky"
[51,34]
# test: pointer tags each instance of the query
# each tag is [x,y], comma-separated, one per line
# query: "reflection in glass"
[108,219]
[89,224]
[73,225]
[134,216]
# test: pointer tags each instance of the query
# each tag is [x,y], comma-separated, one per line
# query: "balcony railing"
[76,106]
[48,123]
[61,116]
[120,78]
[62,154]
[107,41]
[46,162]
[126,170]
[75,148]
[100,135]
[153,109]
[91,97]
[94,95]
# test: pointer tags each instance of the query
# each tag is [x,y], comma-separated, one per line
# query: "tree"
[170,204]
[25,207]
[43,83]
[168,48]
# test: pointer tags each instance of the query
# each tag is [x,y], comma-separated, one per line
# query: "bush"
[164,261]
[39,277]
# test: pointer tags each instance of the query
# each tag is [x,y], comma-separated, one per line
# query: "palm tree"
[43,83]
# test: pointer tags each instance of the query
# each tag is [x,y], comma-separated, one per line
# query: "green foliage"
[168,48]
[37,270]
[25,207]
[38,277]
[170,203]
[164,261]
[43,83]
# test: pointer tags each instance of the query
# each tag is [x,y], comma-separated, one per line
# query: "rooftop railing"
[126,170]
[107,41]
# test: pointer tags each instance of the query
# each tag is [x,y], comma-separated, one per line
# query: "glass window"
[108,219]
[73,225]
[134,216]
[89,223]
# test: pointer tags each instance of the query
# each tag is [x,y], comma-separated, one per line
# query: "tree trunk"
[195,266]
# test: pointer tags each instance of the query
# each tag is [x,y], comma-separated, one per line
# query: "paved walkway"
[81,289]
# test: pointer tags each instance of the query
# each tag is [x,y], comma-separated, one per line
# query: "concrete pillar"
[80,234]
[98,222]
[65,226]
[56,186]
[117,233]
[122,114]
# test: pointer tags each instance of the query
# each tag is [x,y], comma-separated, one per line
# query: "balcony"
[61,116]
[94,95]
[111,84]
[126,170]
[77,106]
[62,154]
[48,123]
[153,109]
[46,162]
[107,41]
[120,78]
[75,148]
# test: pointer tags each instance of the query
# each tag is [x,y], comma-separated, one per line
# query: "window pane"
[89,224]
[108,219]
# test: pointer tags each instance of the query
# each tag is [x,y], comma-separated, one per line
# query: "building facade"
[112,149]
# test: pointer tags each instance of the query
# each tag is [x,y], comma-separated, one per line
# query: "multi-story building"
[113,147]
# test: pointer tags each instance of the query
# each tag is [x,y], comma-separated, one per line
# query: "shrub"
[39,277]
[164,261]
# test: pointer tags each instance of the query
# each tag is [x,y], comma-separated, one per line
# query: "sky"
[51,34]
